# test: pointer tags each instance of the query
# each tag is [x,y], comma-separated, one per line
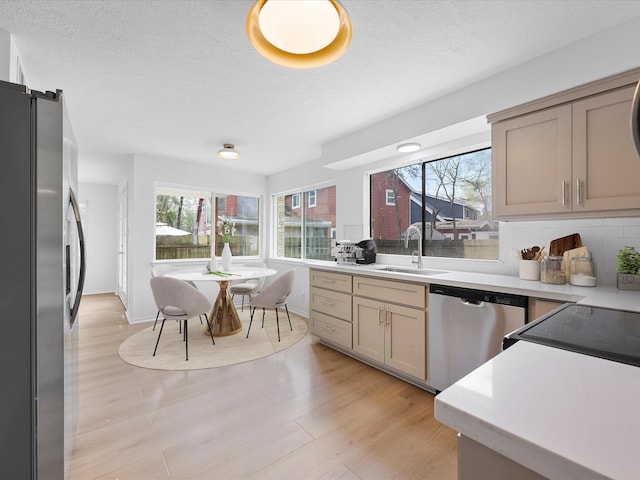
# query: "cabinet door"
[405,343]
[539,307]
[605,165]
[532,163]
[368,328]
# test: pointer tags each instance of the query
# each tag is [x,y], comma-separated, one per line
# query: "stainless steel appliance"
[635,119]
[466,328]
[362,252]
[600,332]
[41,284]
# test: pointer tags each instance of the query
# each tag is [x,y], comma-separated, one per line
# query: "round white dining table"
[223,317]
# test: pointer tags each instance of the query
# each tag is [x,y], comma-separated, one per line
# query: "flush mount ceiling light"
[299,33]
[409,147]
[228,151]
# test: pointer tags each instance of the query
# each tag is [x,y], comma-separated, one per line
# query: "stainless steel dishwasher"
[466,328]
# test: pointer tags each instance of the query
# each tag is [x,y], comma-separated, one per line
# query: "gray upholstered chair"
[250,286]
[179,300]
[273,296]
[161,270]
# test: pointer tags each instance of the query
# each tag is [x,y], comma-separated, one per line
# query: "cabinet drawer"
[331,281]
[332,329]
[332,303]
[388,291]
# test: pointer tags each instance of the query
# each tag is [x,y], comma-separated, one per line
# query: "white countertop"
[562,414]
[608,297]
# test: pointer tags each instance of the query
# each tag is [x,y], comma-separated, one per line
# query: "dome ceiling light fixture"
[409,147]
[299,33]
[228,151]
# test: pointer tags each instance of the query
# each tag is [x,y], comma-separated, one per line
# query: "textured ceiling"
[179,78]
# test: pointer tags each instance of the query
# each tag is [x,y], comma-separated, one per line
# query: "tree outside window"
[186,223]
[448,199]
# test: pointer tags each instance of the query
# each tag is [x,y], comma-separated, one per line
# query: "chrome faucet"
[406,244]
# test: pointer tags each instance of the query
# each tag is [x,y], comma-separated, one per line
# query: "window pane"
[183,222]
[457,207]
[319,222]
[305,232]
[244,213]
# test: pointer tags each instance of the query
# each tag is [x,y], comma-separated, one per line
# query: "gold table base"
[224,317]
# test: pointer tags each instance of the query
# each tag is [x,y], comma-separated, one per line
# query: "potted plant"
[628,268]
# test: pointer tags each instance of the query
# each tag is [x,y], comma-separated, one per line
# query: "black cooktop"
[600,332]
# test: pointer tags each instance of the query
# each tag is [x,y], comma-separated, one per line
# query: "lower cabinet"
[477,461]
[540,306]
[390,334]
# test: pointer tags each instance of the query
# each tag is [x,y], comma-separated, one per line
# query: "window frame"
[388,202]
[312,194]
[295,201]
[421,215]
[301,193]
[215,239]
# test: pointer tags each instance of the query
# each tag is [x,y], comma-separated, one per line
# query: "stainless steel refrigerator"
[41,284]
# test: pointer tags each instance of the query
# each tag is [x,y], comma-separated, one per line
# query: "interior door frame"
[123,236]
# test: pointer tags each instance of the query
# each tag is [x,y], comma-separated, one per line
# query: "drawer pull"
[326,327]
[328,302]
[328,280]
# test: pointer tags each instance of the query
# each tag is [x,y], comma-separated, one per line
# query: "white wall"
[146,172]
[8,58]
[100,224]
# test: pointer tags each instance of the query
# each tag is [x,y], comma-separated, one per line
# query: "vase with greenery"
[628,268]
[226,229]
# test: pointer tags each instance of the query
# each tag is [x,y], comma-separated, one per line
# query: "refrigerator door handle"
[76,214]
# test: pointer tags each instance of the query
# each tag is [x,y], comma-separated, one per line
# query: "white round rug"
[138,348]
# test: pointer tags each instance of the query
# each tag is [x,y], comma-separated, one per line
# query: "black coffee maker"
[366,251]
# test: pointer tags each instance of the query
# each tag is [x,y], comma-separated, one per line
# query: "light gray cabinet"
[569,155]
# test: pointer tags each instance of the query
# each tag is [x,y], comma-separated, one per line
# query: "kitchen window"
[448,199]
[305,233]
[186,223]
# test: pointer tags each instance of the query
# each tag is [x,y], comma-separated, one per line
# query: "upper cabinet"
[570,155]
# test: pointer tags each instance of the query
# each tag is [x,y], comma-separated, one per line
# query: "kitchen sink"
[412,271]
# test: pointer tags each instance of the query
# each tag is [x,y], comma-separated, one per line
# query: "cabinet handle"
[578,191]
[329,328]
[328,302]
[328,280]
[380,321]
[387,317]
[564,193]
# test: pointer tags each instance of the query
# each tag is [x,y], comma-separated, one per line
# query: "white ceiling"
[179,78]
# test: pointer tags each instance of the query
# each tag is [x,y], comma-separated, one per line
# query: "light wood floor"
[308,412]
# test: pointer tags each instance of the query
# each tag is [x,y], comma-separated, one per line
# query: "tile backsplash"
[602,236]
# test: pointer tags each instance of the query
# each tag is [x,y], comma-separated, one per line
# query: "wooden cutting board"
[560,245]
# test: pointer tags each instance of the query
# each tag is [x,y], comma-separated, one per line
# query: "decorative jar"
[551,270]
[582,272]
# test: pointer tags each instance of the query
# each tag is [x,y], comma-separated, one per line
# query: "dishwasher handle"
[472,303]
